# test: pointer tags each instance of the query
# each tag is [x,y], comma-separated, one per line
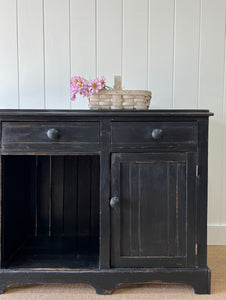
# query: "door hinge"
[196,248]
[197,171]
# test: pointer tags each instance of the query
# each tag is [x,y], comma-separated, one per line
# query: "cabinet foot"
[101,291]
[2,288]
[202,288]
[202,283]
[104,289]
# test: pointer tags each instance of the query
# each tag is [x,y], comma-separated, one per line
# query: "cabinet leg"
[101,291]
[202,284]
[104,289]
[202,288]
[2,288]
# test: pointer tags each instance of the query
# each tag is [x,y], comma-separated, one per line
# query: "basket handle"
[118,82]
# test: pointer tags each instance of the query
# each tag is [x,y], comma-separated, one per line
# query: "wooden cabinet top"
[28,113]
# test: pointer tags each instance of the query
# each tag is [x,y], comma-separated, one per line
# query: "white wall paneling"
[212,58]
[135,44]
[31,58]
[57,53]
[161,52]
[223,162]
[186,59]
[83,43]
[109,38]
[216,235]
[9,94]
[175,48]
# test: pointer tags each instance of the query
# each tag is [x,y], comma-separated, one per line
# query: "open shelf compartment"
[50,211]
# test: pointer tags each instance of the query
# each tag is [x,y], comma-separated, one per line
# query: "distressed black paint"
[56,191]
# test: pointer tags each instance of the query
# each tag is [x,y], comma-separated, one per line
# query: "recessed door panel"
[149,226]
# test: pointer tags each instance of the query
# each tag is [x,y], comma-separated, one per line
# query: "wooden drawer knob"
[114,202]
[53,134]
[157,134]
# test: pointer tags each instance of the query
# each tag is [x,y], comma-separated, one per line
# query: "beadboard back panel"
[175,48]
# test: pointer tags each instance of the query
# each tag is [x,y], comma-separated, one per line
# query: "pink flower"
[94,86]
[80,85]
[84,92]
[102,82]
[84,84]
[73,86]
[74,81]
[73,97]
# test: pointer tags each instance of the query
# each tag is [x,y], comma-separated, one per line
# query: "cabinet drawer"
[153,134]
[49,136]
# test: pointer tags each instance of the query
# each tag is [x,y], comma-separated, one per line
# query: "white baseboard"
[216,235]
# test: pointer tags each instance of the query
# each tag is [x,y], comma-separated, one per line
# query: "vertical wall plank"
[109,39]
[57,53]
[187,20]
[83,43]
[135,52]
[211,94]
[31,60]
[161,37]
[8,55]
[223,162]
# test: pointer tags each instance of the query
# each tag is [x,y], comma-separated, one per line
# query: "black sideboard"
[104,197]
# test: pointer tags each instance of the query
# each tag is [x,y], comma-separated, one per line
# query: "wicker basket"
[120,99]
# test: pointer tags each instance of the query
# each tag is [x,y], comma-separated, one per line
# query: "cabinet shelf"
[56,253]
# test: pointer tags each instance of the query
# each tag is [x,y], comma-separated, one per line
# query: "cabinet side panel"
[191,209]
[202,192]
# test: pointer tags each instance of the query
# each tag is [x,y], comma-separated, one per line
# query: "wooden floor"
[216,262]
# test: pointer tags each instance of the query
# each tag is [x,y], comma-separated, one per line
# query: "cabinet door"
[153,224]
